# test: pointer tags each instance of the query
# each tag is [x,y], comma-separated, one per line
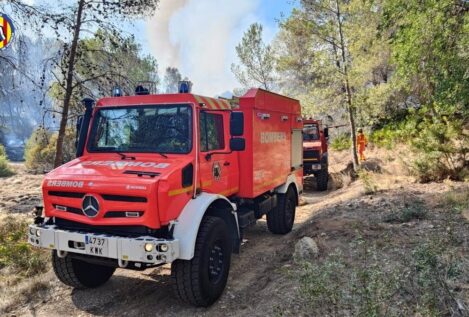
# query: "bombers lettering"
[60,183]
[121,164]
[273,137]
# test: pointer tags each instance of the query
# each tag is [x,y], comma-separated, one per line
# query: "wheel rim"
[216,263]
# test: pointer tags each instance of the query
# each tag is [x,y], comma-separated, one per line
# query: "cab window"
[310,132]
[211,132]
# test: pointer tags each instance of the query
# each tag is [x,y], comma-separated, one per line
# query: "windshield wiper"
[162,154]
[125,157]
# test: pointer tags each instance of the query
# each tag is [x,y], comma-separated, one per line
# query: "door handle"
[226,163]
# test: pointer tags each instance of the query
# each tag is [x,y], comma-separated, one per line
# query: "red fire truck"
[315,159]
[174,179]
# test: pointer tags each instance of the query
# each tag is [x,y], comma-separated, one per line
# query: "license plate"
[96,246]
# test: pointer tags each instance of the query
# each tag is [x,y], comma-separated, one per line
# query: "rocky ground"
[385,209]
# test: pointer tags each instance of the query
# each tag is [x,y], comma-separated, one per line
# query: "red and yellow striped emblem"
[212,103]
[7,31]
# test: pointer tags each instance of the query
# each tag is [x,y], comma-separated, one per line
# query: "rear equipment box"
[273,132]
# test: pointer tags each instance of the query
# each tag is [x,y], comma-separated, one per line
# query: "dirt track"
[258,284]
[146,293]
[150,293]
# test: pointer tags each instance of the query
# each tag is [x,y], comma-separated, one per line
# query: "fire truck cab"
[315,158]
[172,178]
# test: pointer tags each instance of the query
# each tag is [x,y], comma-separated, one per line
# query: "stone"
[306,249]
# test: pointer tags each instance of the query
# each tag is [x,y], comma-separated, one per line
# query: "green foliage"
[5,170]
[368,182]
[457,201]
[39,152]
[341,142]
[256,58]
[406,214]
[16,253]
[337,288]
[440,144]
[364,282]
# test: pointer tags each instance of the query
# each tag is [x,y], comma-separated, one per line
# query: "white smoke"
[199,37]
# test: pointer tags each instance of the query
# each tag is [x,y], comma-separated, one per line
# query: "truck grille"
[311,154]
[123,214]
[72,210]
[130,199]
[66,194]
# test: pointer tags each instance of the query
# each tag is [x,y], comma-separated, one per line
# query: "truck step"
[246,218]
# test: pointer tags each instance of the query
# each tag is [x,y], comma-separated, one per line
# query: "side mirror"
[237,144]
[326,132]
[237,123]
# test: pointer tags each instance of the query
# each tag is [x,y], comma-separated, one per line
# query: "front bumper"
[122,249]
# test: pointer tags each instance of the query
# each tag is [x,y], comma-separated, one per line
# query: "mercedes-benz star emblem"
[90,206]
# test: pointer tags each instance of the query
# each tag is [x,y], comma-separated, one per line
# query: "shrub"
[16,253]
[439,143]
[341,142]
[457,201]
[5,170]
[366,283]
[412,212]
[368,182]
[40,149]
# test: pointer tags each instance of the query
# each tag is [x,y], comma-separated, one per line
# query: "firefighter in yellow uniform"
[362,142]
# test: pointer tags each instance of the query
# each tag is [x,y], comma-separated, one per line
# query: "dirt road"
[259,283]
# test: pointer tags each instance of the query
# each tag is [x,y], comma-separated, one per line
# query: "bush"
[40,149]
[413,212]
[341,142]
[457,201]
[5,170]
[439,143]
[366,283]
[368,182]
[16,253]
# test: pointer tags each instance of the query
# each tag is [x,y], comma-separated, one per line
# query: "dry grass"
[32,290]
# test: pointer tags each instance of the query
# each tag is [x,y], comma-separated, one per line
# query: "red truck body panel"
[269,122]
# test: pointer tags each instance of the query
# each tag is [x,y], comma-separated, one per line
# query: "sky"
[199,37]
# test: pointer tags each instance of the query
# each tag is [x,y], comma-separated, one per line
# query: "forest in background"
[398,68]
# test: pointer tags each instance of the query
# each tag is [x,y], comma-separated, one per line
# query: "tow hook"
[122,263]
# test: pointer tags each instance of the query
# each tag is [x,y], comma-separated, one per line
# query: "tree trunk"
[68,86]
[348,90]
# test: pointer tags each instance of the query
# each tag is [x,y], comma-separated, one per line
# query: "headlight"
[163,247]
[148,247]
[32,231]
[38,232]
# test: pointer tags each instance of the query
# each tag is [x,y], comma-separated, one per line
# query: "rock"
[306,249]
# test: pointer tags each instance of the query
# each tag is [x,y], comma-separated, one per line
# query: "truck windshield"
[310,132]
[162,129]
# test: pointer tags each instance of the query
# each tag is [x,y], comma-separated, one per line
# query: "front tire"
[201,281]
[80,274]
[322,179]
[280,219]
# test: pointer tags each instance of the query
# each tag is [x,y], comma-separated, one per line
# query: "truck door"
[218,167]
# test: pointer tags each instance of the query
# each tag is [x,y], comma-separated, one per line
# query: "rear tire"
[80,274]
[201,281]
[322,178]
[280,219]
